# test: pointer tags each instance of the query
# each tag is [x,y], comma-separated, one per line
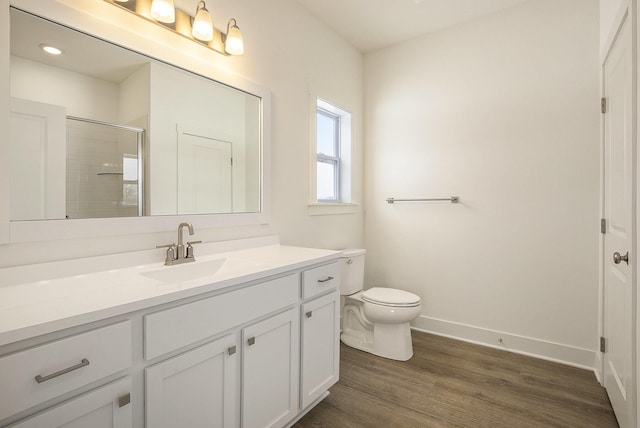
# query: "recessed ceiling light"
[50,49]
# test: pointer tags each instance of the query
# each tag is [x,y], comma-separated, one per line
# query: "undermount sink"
[185,272]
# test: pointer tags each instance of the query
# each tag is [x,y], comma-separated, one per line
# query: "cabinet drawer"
[62,366]
[181,326]
[320,280]
[101,407]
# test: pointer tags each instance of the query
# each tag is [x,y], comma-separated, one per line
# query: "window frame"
[347,166]
[328,159]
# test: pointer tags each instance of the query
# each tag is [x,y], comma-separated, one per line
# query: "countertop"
[40,299]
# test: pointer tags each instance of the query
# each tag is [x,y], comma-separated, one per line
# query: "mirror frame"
[101,19]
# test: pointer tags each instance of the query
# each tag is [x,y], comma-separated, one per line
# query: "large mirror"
[100,131]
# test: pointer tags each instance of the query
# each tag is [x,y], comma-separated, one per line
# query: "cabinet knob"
[124,400]
[232,350]
[309,314]
[251,341]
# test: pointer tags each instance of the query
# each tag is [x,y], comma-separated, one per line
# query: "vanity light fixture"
[198,28]
[51,50]
[202,28]
[163,11]
[234,44]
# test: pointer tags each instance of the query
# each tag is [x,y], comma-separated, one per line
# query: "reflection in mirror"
[104,170]
[101,131]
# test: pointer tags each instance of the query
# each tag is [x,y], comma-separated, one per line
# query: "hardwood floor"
[449,383]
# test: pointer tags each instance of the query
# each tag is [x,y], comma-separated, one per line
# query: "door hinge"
[603,343]
[603,225]
[603,105]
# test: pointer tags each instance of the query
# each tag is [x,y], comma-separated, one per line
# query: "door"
[618,239]
[38,160]
[105,407]
[320,346]
[195,389]
[270,371]
[204,173]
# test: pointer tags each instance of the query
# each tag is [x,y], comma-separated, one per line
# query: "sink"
[185,272]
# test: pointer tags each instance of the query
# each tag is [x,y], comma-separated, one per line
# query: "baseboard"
[599,367]
[564,354]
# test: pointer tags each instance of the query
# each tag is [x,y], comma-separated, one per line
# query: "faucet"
[179,254]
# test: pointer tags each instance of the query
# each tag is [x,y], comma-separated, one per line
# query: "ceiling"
[82,54]
[373,24]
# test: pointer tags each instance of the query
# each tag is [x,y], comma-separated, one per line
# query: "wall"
[82,95]
[503,112]
[287,51]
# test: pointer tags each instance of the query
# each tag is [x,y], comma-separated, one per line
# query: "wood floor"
[449,383]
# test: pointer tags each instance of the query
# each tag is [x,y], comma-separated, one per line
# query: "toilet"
[374,320]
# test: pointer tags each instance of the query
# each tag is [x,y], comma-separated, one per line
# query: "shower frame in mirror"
[102,20]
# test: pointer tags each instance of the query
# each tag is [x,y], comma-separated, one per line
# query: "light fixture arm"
[235,24]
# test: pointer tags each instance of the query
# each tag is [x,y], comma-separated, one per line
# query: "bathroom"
[501,110]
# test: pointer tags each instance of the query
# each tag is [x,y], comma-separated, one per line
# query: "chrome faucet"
[179,254]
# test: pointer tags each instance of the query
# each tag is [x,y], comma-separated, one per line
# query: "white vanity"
[246,336]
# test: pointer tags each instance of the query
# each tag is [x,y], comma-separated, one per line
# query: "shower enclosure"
[104,169]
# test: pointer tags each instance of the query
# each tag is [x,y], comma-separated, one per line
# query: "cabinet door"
[105,407]
[320,346]
[194,389]
[270,371]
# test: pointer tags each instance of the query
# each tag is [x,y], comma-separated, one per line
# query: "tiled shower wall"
[95,184]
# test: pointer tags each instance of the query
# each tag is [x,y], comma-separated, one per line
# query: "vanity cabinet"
[199,387]
[270,371]
[256,353]
[320,346]
[194,389]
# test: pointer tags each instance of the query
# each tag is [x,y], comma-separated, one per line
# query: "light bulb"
[234,45]
[163,11]
[202,24]
[50,49]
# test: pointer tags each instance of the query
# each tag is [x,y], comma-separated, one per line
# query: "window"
[130,179]
[333,154]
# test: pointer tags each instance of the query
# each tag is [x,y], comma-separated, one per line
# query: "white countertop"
[40,299]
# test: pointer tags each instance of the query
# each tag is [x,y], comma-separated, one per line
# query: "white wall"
[83,96]
[503,112]
[287,51]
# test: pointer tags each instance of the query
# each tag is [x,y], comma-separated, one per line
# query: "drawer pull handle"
[81,364]
[309,314]
[251,341]
[329,278]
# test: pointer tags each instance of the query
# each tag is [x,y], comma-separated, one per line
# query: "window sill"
[320,208]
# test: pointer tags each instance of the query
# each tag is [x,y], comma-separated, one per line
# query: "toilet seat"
[391,297]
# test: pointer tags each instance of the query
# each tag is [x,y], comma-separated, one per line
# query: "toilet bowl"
[376,320]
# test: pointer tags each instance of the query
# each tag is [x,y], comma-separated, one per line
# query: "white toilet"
[375,320]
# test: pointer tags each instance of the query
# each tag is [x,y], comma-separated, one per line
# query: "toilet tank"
[351,271]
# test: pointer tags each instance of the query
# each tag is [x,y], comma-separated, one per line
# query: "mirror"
[101,131]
